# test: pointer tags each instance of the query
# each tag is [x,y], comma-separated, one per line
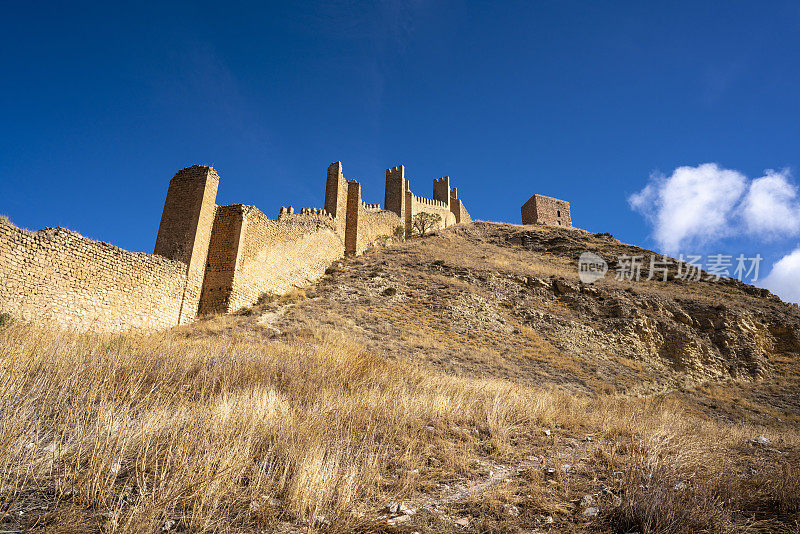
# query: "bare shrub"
[424,222]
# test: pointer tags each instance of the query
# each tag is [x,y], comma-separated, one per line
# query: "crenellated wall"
[207,258]
[415,205]
[445,202]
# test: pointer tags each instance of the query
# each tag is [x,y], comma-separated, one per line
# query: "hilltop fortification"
[207,258]
[540,209]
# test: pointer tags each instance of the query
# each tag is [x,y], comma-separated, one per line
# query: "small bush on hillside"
[265,298]
[5,319]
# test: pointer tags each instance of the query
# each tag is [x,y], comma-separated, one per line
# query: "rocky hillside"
[465,382]
[499,300]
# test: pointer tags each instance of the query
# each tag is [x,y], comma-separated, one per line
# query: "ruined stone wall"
[207,258]
[277,255]
[250,254]
[58,276]
[540,209]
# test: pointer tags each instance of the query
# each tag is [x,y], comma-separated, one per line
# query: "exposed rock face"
[694,338]
[701,329]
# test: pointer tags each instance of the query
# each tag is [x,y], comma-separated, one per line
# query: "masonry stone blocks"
[185,230]
[207,258]
[540,209]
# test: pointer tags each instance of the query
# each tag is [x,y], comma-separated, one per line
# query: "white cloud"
[698,205]
[693,205]
[770,208]
[784,279]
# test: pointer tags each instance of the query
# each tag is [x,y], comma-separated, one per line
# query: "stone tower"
[441,190]
[351,225]
[336,194]
[540,209]
[185,230]
[396,186]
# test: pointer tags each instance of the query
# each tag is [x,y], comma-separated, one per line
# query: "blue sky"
[585,101]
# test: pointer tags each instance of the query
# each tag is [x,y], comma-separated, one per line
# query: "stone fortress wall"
[58,276]
[360,224]
[207,258]
[260,255]
[540,209]
[445,202]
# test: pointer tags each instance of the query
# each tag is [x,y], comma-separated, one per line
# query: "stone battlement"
[429,201]
[207,258]
[306,212]
[400,200]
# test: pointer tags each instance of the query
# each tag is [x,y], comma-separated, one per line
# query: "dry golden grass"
[231,433]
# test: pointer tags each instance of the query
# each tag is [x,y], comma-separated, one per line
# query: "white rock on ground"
[592,511]
[511,510]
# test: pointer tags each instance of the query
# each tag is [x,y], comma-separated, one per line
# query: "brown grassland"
[425,375]
[126,433]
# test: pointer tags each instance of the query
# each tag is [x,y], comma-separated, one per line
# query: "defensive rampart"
[207,258]
[58,276]
[252,254]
